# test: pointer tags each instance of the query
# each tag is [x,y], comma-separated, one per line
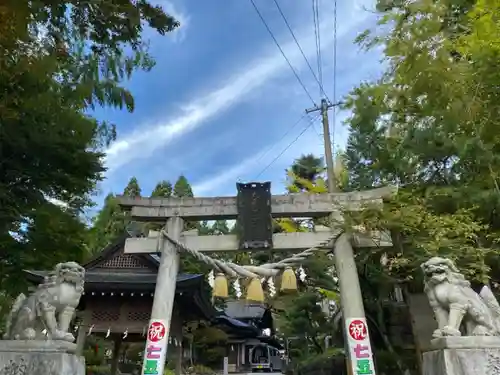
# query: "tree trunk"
[178,364]
[418,349]
[381,328]
[116,355]
[191,351]
[314,341]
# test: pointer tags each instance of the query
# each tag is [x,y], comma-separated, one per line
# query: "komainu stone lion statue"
[456,305]
[47,312]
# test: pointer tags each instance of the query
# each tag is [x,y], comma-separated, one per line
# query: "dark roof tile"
[243,310]
[95,276]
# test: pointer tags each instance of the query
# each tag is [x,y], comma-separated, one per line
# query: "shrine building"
[118,297]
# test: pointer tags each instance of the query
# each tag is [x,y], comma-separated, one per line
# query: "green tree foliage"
[321,287]
[220,227]
[132,189]
[204,228]
[163,189]
[210,343]
[58,60]
[182,188]
[307,167]
[67,235]
[109,224]
[66,232]
[301,316]
[428,127]
[111,221]
[305,321]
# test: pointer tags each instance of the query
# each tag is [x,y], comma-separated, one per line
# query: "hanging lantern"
[255,293]
[220,289]
[288,281]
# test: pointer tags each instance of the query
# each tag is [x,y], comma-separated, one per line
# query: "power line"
[282,137]
[319,43]
[315,29]
[281,50]
[334,120]
[325,105]
[311,122]
[278,141]
[317,35]
[300,48]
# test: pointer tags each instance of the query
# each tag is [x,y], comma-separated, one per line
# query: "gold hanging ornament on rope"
[255,293]
[288,281]
[220,289]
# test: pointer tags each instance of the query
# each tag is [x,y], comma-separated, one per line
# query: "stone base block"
[482,361]
[47,358]
[466,342]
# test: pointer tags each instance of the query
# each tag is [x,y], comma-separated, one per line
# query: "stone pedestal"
[35,357]
[463,356]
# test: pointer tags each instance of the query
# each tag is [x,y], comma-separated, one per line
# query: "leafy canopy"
[428,127]
[58,60]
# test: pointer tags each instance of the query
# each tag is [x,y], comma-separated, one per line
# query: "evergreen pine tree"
[132,189]
[162,189]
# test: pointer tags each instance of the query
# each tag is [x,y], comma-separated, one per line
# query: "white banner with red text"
[360,350]
[155,354]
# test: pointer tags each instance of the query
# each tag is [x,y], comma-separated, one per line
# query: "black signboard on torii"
[254,223]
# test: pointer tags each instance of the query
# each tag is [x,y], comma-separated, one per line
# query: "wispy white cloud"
[228,174]
[184,19]
[252,167]
[310,142]
[247,169]
[172,8]
[145,140]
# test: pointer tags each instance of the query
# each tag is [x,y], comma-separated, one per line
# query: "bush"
[93,359]
[199,370]
[130,367]
[98,370]
[332,362]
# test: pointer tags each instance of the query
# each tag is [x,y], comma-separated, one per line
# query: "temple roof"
[243,310]
[246,330]
[113,270]
[99,279]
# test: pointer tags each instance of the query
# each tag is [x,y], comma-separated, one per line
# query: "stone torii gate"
[173,211]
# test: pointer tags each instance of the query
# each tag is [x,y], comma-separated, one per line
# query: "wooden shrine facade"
[119,290]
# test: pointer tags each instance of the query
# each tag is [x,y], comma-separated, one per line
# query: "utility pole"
[351,299]
[330,168]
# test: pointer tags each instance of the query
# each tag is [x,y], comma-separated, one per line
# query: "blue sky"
[221,97]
